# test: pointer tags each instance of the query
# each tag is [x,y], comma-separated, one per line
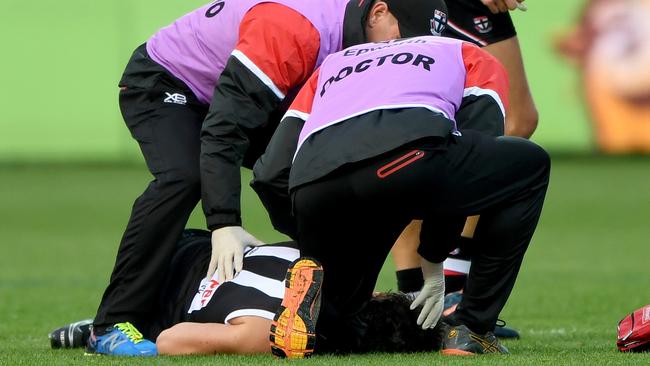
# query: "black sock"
[99,330]
[409,280]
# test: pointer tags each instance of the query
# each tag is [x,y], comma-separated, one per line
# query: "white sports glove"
[228,245]
[432,295]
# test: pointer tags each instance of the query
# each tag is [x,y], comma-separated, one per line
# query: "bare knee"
[165,343]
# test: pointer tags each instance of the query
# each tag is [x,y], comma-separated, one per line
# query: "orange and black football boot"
[293,331]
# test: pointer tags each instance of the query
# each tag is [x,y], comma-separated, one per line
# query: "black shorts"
[471,21]
[188,266]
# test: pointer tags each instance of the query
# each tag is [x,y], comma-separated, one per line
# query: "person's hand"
[502,6]
[228,245]
[432,295]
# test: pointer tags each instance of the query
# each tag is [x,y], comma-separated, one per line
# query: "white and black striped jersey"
[256,291]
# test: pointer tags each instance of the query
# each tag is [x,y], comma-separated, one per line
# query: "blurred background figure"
[611,48]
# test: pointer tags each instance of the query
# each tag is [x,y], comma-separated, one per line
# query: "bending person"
[370,143]
[202,98]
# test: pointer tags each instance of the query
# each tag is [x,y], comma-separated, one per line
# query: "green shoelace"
[131,332]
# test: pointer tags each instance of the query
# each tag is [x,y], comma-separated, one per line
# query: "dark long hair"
[392,327]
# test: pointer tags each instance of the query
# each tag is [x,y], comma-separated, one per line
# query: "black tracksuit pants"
[350,219]
[165,119]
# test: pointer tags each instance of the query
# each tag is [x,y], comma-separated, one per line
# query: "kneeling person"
[372,142]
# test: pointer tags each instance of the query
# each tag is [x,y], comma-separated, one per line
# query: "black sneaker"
[452,300]
[293,331]
[503,332]
[460,341]
[73,335]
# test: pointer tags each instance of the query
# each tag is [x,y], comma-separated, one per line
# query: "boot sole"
[456,352]
[293,330]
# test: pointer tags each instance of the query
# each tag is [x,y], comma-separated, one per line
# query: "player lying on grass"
[376,139]
[235,316]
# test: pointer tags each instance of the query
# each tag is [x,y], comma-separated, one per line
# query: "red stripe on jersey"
[465,33]
[281,42]
[485,71]
[305,98]
[449,272]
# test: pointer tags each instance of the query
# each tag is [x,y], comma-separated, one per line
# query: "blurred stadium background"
[64,59]
[69,172]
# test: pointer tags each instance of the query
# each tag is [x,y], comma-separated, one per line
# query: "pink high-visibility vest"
[196,47]
[426,72]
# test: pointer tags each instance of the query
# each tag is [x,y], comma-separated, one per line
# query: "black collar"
[354,22]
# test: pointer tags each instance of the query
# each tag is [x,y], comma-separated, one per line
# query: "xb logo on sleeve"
[176,98]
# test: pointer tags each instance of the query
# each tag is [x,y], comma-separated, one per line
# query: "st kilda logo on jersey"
[482,24]
[438,23]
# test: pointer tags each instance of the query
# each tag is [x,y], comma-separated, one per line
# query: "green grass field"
[587,266]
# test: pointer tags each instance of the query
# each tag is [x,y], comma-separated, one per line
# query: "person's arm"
[271,171]
[245,335]
[276,51]
[522,116]
[485,97]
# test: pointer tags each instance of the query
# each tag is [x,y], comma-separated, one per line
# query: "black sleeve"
[471,21]
[439,236]
[480,113]
[271,175]
[240,107]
